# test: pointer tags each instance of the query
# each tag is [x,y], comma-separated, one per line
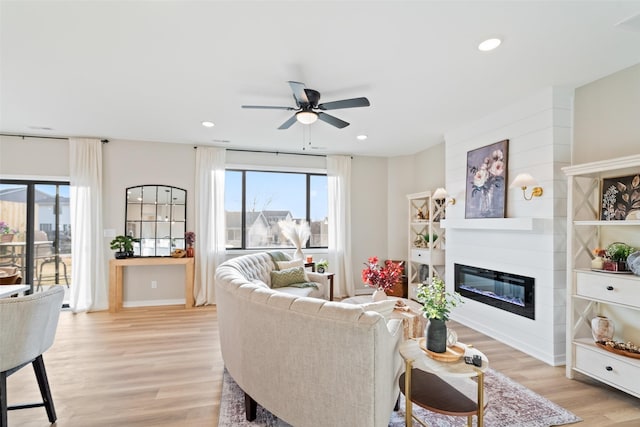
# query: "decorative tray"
[618,351]
[453,353]
[612,272]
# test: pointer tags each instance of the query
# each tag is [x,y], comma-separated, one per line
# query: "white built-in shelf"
[633,222]
[493,223]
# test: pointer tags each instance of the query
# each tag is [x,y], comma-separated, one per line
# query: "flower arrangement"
[189,238]
[6,229]
[381,277]
[296,232]
[436,301]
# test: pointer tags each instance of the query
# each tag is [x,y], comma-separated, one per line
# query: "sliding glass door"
[35,231]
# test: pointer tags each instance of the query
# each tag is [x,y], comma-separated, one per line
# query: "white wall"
[607,115]
[539,132]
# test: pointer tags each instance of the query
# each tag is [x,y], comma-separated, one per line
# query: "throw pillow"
[283,265]
[287,277]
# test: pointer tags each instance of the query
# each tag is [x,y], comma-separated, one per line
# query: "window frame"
[243,230]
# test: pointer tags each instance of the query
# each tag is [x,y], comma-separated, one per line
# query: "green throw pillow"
[287,277]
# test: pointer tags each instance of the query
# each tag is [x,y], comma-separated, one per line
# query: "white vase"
[298,254]
[602,328]
[379,295]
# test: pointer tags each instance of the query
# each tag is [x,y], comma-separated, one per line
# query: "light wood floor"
[162,367]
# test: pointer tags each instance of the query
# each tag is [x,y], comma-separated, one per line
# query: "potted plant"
[436,306]
[429,239]
[617,254]
[381,278]
[297,233]
[322,266]
[6,232]
[124,245]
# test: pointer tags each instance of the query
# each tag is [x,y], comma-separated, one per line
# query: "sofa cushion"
[283,265]
[288,277]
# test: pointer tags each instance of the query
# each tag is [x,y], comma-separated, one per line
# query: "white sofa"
[309,361]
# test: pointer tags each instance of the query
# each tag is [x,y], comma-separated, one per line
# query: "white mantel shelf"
[493,223]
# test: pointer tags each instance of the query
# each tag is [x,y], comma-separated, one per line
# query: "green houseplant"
[124,246]
[436,306]
[617,254]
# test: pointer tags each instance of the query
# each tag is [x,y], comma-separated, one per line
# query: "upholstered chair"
[28,329]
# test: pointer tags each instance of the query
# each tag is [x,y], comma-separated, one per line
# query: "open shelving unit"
[426,258]
[590,293]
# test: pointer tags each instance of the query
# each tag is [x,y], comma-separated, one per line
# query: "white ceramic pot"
[379,295]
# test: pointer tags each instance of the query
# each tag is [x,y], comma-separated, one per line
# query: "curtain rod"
[270,152]
[104,141]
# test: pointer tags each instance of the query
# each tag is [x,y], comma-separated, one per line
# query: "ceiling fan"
[307,106]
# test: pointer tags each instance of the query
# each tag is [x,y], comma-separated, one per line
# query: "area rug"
[510,405]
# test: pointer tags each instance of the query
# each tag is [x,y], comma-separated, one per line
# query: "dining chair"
[28,329]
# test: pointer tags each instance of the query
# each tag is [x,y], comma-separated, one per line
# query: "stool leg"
[3,400]
[45,391]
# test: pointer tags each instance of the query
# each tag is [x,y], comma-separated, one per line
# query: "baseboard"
[148,303]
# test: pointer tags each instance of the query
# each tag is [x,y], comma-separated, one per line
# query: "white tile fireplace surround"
[531,240]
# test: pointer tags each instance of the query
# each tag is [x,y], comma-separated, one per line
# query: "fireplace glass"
[505,291]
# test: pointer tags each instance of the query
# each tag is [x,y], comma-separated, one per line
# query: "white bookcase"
[426,259]
[590,293]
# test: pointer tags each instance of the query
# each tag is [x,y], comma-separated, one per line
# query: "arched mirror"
[156,215]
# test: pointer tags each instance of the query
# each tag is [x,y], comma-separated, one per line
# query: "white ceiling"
[153,70]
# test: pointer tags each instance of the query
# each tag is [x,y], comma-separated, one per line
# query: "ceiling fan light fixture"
[306,117]
[361,137]
[489,44]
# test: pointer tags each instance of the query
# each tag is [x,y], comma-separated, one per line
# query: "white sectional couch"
[309,361]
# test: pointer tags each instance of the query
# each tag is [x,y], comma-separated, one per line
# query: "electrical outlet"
[154,284]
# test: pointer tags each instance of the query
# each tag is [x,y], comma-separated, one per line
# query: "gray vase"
[436,335]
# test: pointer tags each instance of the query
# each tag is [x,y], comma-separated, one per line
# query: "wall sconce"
[525,180]
[441,194]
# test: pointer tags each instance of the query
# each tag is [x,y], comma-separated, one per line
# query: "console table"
[115,277]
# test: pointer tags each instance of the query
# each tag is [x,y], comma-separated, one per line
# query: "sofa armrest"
[395,327]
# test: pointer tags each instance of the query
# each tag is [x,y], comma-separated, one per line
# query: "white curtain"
[210,221]
[89,290]
[339,256]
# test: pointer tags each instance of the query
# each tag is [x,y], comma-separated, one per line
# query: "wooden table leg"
[330,276]
[188,285]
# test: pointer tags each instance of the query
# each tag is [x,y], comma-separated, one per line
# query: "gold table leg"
[408,410]
[480,398]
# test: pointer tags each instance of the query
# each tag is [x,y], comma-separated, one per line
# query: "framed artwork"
[620,198]
[486,180]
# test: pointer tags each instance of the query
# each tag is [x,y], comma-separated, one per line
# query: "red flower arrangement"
[382,278]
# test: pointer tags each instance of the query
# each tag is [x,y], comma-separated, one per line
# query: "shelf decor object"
[486,177]
[620,198]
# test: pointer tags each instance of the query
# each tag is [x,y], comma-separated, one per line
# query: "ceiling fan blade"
[268,107]
[298,93]
[332,120]
[345,103]
[288,123]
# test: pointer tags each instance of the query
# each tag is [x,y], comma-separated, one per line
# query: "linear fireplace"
[505,291]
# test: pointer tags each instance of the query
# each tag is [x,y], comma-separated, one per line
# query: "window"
[256,200]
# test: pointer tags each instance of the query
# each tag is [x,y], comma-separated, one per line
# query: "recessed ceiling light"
[489,44]
[361,137]
[208,124]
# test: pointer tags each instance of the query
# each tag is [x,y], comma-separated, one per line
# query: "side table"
[413,322]
[444,387]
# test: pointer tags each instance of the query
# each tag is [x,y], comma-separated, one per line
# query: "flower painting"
[486,181]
